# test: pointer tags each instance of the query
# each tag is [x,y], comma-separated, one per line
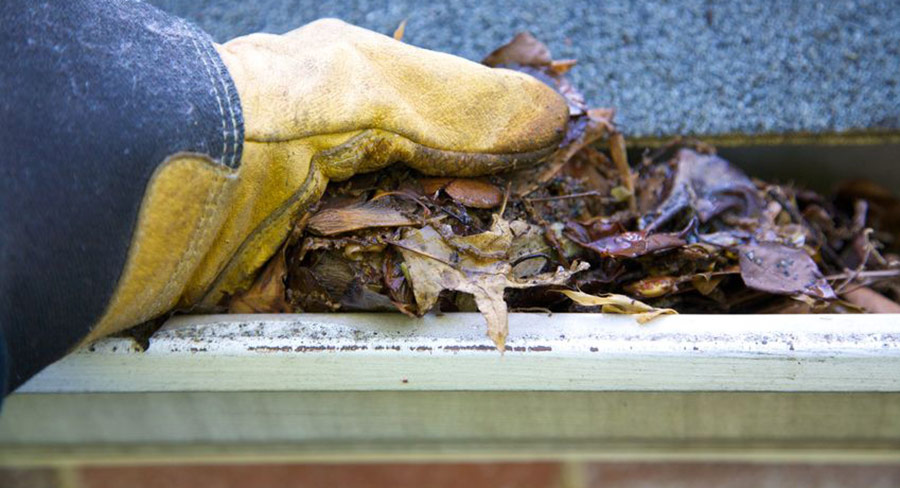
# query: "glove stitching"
[212,81]
[363,129]
[210,204]
[249,241]
[213,57]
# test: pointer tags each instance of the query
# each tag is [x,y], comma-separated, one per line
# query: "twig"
[548,233]
[798,218]
[620,157]
[533,255]
[592,193]
[505,198]
[532,310]
[421,252]
[862,265]
[403,194]
[464,220]
[880,273]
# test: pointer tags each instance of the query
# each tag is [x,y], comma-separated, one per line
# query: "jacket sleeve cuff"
[96,94]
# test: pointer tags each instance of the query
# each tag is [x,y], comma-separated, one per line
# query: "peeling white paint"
[560,352]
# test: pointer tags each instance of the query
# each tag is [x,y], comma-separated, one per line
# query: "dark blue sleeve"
[94,94]
[3,368]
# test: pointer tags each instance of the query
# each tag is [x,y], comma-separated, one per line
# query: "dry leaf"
[266,295]
[331,221]
[471,192]
[528,241]
[474,193]
[401,29]
[708,185]
[435,266]
[347,262]
[582,131]
[491,244]
[706,284]
[560,67]
[523,50]
[634,244]
[776,268]
[619,156]
[871,300]
[653,287]
[620,304]
[430,186]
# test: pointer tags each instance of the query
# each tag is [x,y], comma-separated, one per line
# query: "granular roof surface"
[677,67]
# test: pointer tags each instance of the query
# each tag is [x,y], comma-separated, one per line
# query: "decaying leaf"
[653,287]
[586,129]
[621,304]
[776,268]
[267,294]
[471,192]
[706,284]
[529,251]
[474,193]
[871,301]
[707,185]
[332,221]
[434,266]
[620,158]
[491,244]
[586,126]
[523,50]
[400,30]
[680,228]
[635,244]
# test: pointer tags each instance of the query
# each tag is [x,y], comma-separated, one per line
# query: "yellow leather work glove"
[320,103]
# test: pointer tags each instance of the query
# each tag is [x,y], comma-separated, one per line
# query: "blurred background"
[669,67]
[474,475]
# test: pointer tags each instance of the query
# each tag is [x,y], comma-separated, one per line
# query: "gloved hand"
[320,103]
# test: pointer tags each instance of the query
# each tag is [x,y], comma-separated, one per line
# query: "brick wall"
[466,475]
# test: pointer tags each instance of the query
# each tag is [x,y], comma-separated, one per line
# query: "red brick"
[684,475]
[28,478]
[470,475]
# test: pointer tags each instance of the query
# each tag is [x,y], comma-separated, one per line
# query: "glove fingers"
[331,77]
[375,149]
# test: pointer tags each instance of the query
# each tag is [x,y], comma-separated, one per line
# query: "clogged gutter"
[675,229]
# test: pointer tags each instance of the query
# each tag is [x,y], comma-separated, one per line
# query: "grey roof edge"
[859,137]
[729,72]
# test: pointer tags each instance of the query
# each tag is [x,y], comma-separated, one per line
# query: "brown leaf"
[634,244]
[401,29]
[491,244]
[434,266]
[776,268]
[871,300]
[474,193]
[582,131]
[266,295]
[706,284]
[560,67]
[620,304]
[528,251]
[471,192]
[308,294]
[708,185]
[620,158]
[430,186]
[331,221]
[524,50]
[653,286]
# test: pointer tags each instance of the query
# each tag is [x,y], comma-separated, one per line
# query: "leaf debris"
[678,227]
